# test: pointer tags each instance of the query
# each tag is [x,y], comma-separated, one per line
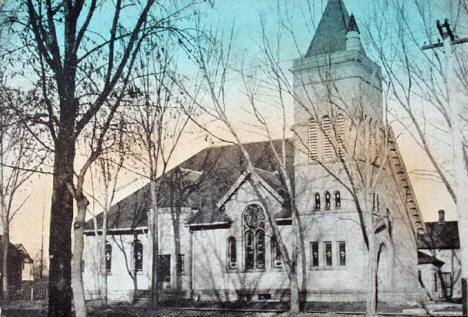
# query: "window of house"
[314,254]
[313,139]
[317,201]
[254,237]
[328,253]
[435,282]
[342,253]
[180,263]
[327,200]
[108,256]
[337,199]
[231,253]
[138,255]
[275,253]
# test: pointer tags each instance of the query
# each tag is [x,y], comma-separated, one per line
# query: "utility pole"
[455,110]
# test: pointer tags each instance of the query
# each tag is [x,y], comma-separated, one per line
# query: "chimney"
[441,216]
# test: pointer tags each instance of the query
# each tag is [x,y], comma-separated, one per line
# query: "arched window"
[317,201]
[275,253]
[313,141]
[327,200]
[231,253]
[327,137]
[138,255]
[254,238]
[337,199]
[340,133]
[108,256]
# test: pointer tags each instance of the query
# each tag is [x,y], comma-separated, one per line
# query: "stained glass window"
[314,253]
[108,256]
[254,237]
[231,253]
[328,253]
[275,253]
[342,253]
[138,255]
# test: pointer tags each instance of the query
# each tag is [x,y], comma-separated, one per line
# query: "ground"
[38,309]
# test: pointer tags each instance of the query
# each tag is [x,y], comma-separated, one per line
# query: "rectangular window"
[342,253]
[435,282]
[180,263]
[314,254]
[328,252]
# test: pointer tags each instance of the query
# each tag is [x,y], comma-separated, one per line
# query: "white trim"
[239,182]
[209,223]
[115,229]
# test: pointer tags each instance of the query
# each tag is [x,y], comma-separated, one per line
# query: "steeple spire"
[352,25]
[330,35]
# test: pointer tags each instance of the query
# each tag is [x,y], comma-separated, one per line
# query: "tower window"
[327,146]
[313,139]
[337,199]
[254,238]
[317,201]
[327,200]
[340,131]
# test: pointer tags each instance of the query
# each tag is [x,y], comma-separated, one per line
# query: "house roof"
[439,236]
[424,258]
[330,35]
[204,179]
[22,251]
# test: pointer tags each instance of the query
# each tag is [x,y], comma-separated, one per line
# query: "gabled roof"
[205,178]
[330,35]
[22,251]
[424,258]
[440,236]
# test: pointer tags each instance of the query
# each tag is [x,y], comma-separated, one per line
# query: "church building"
[215,242]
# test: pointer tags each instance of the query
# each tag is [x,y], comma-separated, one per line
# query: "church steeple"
[330,35]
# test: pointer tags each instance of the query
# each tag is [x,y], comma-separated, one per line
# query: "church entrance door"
[164,271]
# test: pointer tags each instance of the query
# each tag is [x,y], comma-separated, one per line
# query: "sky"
[243,17]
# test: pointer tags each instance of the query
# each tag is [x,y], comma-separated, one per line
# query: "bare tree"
[159,123]
[80,76]
[19,160]
[427,79]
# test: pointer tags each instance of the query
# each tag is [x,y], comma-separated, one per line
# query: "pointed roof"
[330,35]
[352,25]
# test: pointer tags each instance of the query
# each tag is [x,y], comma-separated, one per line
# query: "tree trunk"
[175,223]
[294,304]
[5,244]
[371,303]
[103,268]
[155,245]
[77,263]
[61,217]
